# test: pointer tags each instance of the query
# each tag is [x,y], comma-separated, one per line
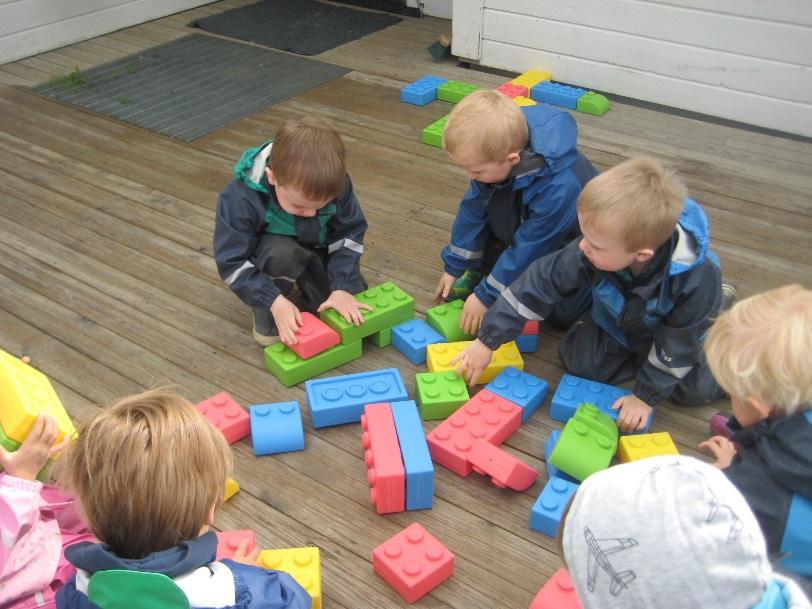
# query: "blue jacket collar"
[554,136]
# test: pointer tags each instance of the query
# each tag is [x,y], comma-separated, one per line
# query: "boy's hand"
[243,556]
[346,305]
[472,313]
[473,360]
[288,319]
[720,447]
[444,288]
[634,413]
[38,447]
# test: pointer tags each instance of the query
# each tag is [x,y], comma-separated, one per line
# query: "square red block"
[413,562]
[557,593]
[226,415]
[385,472]
[229,541]
[513,90]
[314,337]
[531,327]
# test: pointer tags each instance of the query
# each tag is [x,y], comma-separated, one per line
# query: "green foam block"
[291,369]
[390,306]
[445,318]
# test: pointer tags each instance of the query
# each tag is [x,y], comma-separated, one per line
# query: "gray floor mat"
[191,86]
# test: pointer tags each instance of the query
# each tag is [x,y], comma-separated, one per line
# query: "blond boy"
[761,353]
[149,473]
[526,173]
[289,227]
[655,285]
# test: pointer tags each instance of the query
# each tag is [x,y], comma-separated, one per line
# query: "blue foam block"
[276,428]
[549,446]
[415,453]
[422,91]
[528,343]
[557,94]
[411,338]
[796,546]
[522,389]
[545,514]
[572,391]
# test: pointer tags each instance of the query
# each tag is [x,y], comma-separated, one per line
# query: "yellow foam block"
[643,446]
[531,78]
[26,392]
[302,564]
[524,101]
[440,355]
[232,488]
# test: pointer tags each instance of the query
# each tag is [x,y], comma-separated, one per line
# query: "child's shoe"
[719,426]
[729,293]
[464,285]
[265,332]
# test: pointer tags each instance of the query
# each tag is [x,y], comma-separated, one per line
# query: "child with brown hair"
[149,473]
[289,227]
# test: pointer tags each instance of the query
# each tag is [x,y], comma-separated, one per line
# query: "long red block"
[385,472]
[413,562]
[226,415]
[486,416]
[557,593]
[228,541]
[505,470]
[314,337]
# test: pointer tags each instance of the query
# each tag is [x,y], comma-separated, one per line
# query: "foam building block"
[415,453]
[439,357]
[557,593]
[226,415]
[643,446]
[531,327]
[486,416]
[454,90]
[413,562]
[341,399]
[433,134]
[592,103]
[382,338]
[511,89]
[504,470]
[411,338]
[291,369]
[232,488]
[25,392]
[7,443]
[796,544]
[531,78]
[545,515]
[314,337]
[527,343]
[557,94]
[302,564]
[276,428]
[549,446]
[522,389]
[572,391]
[387,478]
[229,541]
[439,393]
[445,318]
[390,306]
[587,444]
[524,101]
[422,91]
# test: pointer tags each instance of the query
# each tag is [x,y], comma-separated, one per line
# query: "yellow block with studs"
[440,355]
[531,78]
[302,564]
[642,446]
[524,101]
[232,488]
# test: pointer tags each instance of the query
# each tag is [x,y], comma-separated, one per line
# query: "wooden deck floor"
[108,282]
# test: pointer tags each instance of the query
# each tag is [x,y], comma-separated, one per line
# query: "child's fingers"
[617,404]
[57,448]
[49,431]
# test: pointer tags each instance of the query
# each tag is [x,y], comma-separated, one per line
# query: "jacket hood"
[250,169]
[553,135]
[693,244]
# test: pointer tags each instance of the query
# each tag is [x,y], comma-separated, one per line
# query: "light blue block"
[422,91]
[411,338]
[415,453]
[557,94]
[549,446]
[796,546]
[545,514]
[341,399]
[572,391]
[522,389]
[276,428]
[528,343]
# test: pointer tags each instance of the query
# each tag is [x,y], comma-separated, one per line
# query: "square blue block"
[557,94]
[411,338]
[421,92]
[546,512]
[572,391]
[415,453]
[528,343]
[522,389]
[549,446]
[276,428]
[341,399]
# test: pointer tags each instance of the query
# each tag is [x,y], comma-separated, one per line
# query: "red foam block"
[314,337]
[385,472]
[228,541]
[505,470]
[557,593]
[226,415]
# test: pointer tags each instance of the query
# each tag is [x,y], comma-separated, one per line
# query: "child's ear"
[643,255]
[270,175]
[759,406]
[210,515]
[513,158]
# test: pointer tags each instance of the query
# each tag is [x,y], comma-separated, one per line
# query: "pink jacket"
[36,523]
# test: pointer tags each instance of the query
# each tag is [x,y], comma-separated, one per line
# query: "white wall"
[745,60]
[28,27]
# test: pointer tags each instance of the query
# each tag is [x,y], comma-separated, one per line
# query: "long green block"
[390,306]
[382,338]
[587,444]
[454,90]
[445,318]
[439,394]
[433,134]
[592,103]
[291,369]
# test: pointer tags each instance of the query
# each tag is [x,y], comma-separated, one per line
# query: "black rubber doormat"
[306,27]
[191,86]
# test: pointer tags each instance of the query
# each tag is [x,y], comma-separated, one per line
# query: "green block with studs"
[390,306]
[291,369]
[587,444]
[433,134]
[439,394]
[382,338]
[445,318]
[454,90]
[592,103]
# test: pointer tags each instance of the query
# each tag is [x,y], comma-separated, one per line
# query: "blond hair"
[485,127]
[762,348]
[308,155]
[639,198]
[146,471]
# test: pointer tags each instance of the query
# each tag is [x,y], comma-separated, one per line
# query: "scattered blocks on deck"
[439,394]
[390,306]
[415,453]
[387,478]
[412,337]
[557,593]
[572,391]
[445,318]
[587,444]
[545,515]
[433,134]
[549,447]
[226,415]
[302,564]
[291,369]
[524,390]
[643,446]
[592,103]
[314,337]
[439,357]
[229,541]
[504,470]
[453,90]
[422,91]
[276,428]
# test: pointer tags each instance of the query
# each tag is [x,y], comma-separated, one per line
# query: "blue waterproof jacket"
[533,212]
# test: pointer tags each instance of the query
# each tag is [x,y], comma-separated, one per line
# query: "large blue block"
[572,391]
[545,514]
[341,399]
[527,343]
[796,546]
[416,457]
[411,338]
[522,389]
[549,446]
[276,428]
[557,94]
[421,92]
